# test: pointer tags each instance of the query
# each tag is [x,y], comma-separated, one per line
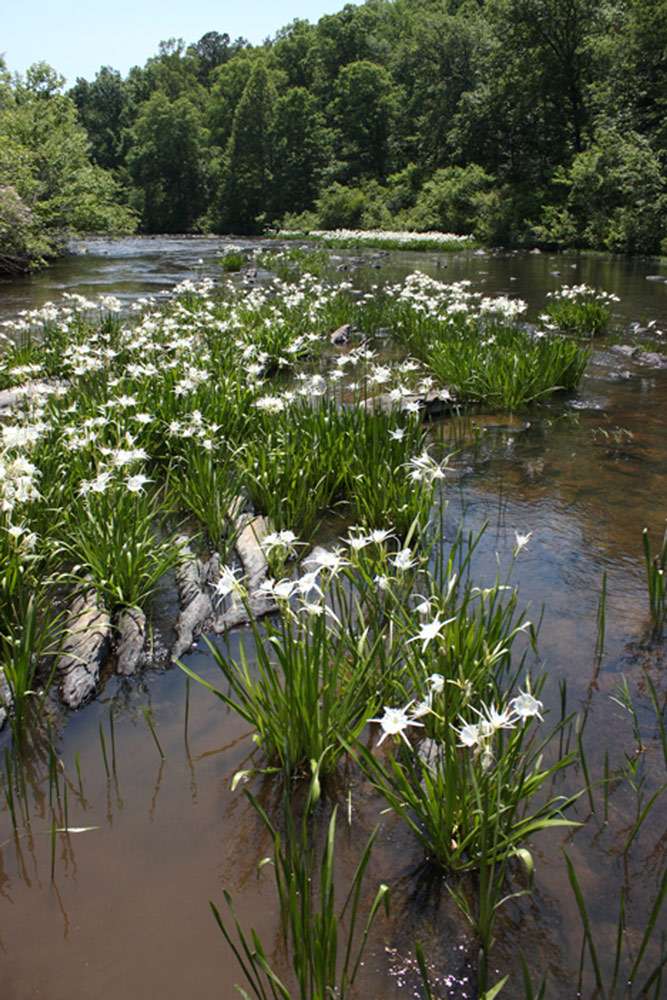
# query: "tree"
[213,50]
[616,197]
[302,150]
[50,188]
[168,163]
[364,107]
[247,183]
[103,112]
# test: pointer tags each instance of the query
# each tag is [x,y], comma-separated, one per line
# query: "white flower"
[308,582]
[279,540]
[493,719]
[398,434]
[394,722]
[521,541]
[135,484]
[424,607]
[228,583]
[330,559]
[436,682]
[358,542]
[421,708]
[469,734]
[380,535]
[280,590]
[526,706]
[403,560]
[429,631]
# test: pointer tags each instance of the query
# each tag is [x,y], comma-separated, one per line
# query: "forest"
[519,122]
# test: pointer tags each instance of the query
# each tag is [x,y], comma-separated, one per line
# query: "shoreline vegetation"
[519,123]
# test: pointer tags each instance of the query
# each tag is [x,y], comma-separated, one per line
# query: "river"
[127,914]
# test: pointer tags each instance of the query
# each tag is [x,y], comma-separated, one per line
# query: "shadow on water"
[126,913]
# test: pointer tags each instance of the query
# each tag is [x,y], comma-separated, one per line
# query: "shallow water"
[127,914]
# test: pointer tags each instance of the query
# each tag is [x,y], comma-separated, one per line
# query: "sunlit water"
[127,913]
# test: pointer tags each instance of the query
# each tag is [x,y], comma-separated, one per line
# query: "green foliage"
[247,178]
[656,566]
[511,121]
[363,107]
[170,192]
[616,197]
[340,207]
[302,151]
[580,309]
[306,682]
[319,939]
[454,200]
[48,186]
[112,538]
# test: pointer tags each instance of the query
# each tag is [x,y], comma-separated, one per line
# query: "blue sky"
[78,36]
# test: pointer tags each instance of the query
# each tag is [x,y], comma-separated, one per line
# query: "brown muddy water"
[127,915]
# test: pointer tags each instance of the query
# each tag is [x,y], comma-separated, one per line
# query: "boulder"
[85,648]
[131,631]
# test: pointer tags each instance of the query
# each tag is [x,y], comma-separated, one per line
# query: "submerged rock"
[131,627]
[85,649]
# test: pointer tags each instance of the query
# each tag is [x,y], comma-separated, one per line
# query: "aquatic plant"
[623,977]
[352,239]
[206,484]
[232,260]
[475,346]
[305,682]
[579,309]
[290,265]
[319,940]
[112,539]
[656,565]
[480,778]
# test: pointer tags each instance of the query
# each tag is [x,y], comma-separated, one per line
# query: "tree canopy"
[521,120]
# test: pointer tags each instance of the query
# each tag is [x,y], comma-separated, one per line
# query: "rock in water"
[131,626]
[196,605]
[341,335]
[85,648]
[251,554]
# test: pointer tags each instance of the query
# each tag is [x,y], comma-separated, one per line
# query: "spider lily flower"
[228,583]
[493,719]
[394,722]
[280,590]
[135,484]
[429,631]
[403,560]
[521,541]
[469,734]
[525,706]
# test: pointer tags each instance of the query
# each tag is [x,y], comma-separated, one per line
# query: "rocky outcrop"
[85,648]
[131,636]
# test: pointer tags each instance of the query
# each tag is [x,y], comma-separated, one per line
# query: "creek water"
[127,914]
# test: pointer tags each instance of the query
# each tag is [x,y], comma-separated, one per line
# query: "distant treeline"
[517,121]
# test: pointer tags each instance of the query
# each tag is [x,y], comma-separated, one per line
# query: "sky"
[78,36]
